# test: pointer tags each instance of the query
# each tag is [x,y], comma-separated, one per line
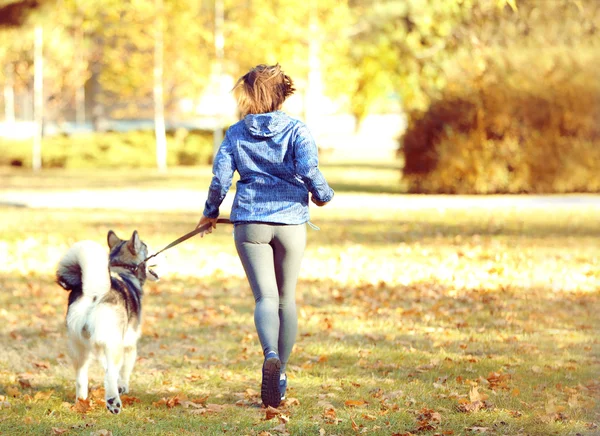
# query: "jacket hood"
[266,125]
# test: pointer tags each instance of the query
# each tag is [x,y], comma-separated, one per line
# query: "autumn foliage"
[512,128]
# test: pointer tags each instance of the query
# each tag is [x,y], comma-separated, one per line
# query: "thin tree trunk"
[9,94]
[80,90]
[219,53]
[314,88]
[159,107]
[38,89]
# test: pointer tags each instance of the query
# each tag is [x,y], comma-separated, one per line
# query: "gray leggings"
[271,255]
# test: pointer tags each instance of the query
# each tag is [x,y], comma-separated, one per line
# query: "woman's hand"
[317,202]
[205,220]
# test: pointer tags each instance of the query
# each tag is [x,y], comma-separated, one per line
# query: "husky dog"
[105,309]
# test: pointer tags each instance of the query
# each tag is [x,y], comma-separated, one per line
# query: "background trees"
[367,56]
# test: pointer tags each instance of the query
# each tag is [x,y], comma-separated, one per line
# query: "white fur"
[95,329]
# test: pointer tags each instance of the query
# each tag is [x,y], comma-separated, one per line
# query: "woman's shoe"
[271,371]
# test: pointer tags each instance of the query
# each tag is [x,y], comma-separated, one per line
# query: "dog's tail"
[84,268]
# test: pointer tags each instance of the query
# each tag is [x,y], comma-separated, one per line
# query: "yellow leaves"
[554,411]
[477,401]
[427,420]
[42,396]
[355,403]
[271,413]
[82,406]
[13,391]
[102,432]
[197,406]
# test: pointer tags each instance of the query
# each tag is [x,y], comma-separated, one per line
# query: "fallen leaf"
[42,365]
[42,395]
[281,429]
[25,382]
[102,432]
[56,430]
[82,406]
[271,413]
[478,429]
[355,403]
[12,391]
[291,402]
[128,400]
[216,407]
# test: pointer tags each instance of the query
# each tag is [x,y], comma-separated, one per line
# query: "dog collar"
[131,268]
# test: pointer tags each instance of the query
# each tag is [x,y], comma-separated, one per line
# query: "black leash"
[188,236]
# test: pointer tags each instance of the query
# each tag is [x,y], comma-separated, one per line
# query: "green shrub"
[134,149]
[510,131]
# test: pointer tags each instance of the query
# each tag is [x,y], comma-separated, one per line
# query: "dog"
[104,314]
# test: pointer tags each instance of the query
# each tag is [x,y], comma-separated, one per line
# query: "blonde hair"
[262,89]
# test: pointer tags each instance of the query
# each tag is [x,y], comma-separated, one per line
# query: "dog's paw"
[123,390]
[114,405]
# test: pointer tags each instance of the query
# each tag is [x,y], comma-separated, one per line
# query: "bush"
[135,149]
[508,132]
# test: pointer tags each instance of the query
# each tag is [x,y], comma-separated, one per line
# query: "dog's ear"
[112,239]
[134,244]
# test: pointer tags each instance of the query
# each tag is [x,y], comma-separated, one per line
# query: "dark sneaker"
[271,372]
[282,386]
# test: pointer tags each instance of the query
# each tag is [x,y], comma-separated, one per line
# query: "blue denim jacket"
[277,160]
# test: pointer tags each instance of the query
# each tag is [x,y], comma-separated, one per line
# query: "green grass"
[402,313]
[378,177]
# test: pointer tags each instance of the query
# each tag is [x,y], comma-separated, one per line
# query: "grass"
[377,177]
[422,321]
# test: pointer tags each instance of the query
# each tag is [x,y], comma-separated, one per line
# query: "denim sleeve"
[306,162]
[223,169]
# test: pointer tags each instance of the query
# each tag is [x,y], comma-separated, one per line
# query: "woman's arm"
[306,162]
[223,169]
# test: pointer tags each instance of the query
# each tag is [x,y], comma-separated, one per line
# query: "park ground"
[418,315]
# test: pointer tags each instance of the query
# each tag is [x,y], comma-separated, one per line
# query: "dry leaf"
[281,429]
[102,432]
[216,407]
[288,402]
[25,382]
[355,403]
[42,365]
[82,406]
[478,429]
[188,404]
[56,430]
[12,391]
[271,413]
[42,395]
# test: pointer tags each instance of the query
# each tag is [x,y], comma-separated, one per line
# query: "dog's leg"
[81,361]
[129,356]
[113,363]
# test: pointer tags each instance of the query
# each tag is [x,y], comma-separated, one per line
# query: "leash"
[187,236]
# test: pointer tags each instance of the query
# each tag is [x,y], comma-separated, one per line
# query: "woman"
[276,158]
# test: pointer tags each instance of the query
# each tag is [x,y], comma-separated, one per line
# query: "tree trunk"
[80,90]
[159,106]
[38,89]
[9,94]
[314,86]
[219,46]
